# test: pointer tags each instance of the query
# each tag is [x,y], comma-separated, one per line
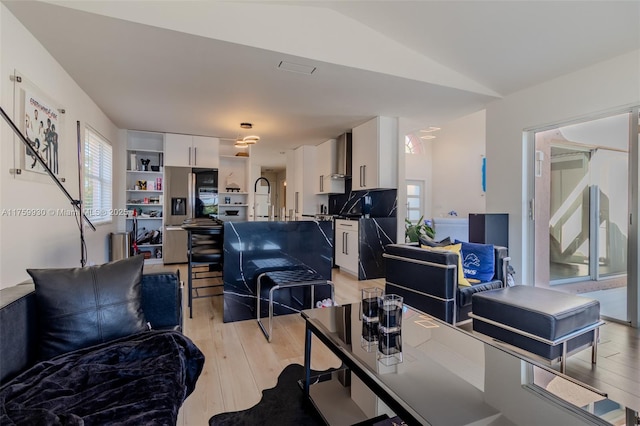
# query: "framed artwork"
[40,119]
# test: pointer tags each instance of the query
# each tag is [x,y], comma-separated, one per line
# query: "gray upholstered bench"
[546,322]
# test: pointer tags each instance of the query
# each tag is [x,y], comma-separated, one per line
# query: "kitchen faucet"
[255,203]
[255,184]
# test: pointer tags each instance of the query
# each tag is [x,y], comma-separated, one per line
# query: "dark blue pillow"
[478,261]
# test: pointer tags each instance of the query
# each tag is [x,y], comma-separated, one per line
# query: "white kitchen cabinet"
[375,154]
[302,183]
[206,151]
[326,157]
[347,246]
[327,182]
[191,151]
[178,150]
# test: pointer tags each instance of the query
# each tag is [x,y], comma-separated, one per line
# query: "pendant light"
[247,140]
[251,140]
[240,143]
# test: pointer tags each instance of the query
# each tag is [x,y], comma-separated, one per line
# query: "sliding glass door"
[582,195]
[569,243]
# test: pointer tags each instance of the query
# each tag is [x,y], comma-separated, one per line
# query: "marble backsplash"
[379,203]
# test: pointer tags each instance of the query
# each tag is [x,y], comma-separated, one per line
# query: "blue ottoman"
[546,322]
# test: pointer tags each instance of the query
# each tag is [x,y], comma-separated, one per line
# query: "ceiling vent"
[300,69]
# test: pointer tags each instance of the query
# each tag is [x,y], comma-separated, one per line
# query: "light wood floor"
[240,363]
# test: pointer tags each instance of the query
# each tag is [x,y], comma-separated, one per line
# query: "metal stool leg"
[258,288]
[594,346]
[273,289]
[190,282]
[269,332]
[190,287]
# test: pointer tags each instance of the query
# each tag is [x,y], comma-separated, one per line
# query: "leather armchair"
[428,280]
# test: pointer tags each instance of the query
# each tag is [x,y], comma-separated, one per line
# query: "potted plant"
[413,231]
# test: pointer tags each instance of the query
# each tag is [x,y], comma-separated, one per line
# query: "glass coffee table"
[444,376]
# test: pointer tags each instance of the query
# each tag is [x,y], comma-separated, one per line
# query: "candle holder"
[371,303]
[390,329]
[369,314]
[369,338]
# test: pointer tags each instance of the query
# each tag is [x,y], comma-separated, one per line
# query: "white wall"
[3,176]
[41,242]
[457,166]
[607,86]
[405,127]
[418,167]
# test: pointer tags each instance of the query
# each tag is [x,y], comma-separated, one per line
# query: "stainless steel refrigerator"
[190,193]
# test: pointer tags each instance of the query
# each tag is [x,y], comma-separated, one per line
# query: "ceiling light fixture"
[240,143]
[251,140]
[247,140]
[430,129]
[427,137]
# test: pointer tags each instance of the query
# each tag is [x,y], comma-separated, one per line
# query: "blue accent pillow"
[478,261]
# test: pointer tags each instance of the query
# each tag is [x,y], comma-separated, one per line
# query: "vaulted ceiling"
[202,67]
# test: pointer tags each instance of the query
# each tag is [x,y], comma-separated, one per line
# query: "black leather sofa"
[161,303]
[428,280]
[142,378]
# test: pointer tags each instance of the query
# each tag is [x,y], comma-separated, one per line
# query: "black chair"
[205,263]
[428,280]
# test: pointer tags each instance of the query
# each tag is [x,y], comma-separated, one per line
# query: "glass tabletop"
[444,375]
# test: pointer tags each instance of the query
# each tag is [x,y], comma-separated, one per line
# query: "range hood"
[343,156]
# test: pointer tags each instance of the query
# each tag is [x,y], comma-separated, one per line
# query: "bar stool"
[287,279]
[205,263]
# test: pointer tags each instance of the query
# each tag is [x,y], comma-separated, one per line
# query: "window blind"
[98,177]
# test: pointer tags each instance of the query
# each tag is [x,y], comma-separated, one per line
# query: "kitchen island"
[251,248]
[360,244]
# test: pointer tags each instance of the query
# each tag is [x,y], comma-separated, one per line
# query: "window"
[412,144]
[98,159]
[414,200]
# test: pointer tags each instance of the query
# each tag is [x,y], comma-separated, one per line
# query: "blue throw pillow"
[478,261]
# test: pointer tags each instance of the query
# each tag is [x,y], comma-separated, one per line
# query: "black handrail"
[75,203]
